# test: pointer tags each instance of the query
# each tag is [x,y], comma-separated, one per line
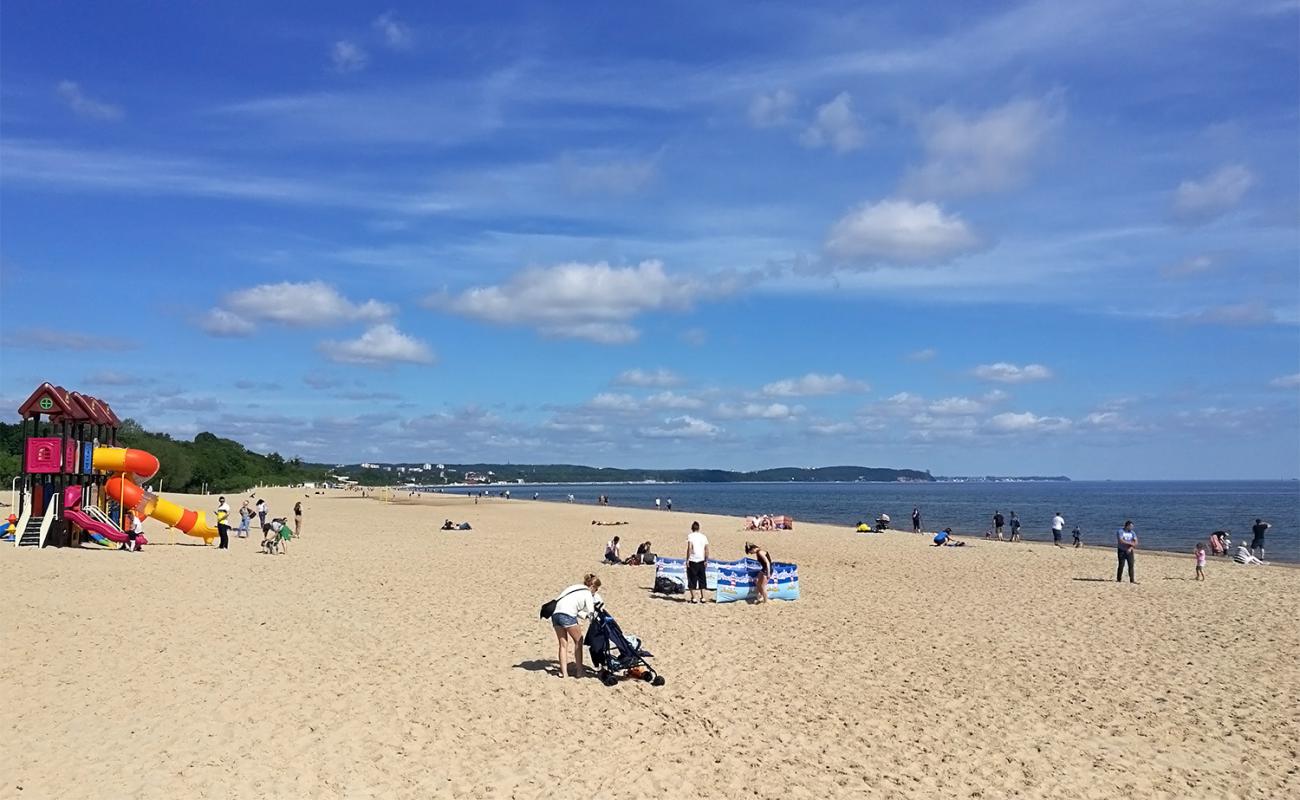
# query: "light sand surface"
[384,658]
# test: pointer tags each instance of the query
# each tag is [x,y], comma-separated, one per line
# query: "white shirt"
[136,525]
[1058,522]
[261,506]
[577,601]
[695,544]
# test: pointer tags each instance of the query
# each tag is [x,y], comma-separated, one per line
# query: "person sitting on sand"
[448,525]
[944,538]
[863,527]
[611,552]
[764,569]
[574,603]
[1244,556]
[639,557]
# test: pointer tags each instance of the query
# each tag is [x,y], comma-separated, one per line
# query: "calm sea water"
[1168,515]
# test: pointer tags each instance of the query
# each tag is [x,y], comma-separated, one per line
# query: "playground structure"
[72,467]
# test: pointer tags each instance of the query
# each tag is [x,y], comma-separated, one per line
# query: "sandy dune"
[383,658]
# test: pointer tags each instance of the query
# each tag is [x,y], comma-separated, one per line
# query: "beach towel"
[737,581]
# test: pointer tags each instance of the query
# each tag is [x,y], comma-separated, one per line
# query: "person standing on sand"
[669,504]
[1200,561]
[223,523]
[1058,527]
[261,511]
[697,560]
[764,569]
[998,521]
[245,514]
[1126,542]
[574,603]
[1257,543]
[297,519]
[1078,536]
[657,504]
[1015,528]
[916,520]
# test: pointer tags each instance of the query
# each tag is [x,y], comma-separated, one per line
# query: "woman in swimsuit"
[764,568]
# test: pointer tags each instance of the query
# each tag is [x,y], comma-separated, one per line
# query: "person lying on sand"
[594,522]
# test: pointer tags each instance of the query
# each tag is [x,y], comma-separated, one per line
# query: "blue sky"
[988,238]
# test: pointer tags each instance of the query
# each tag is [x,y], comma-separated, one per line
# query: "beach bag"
[548,608]
[666,585]
[647,558]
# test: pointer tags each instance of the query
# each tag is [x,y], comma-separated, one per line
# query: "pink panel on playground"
[43,454]
[70,456]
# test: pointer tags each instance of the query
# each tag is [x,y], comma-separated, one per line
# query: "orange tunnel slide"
[137,465]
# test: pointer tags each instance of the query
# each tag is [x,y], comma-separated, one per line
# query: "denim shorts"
[563,620]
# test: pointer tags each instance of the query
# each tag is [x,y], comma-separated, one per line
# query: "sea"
[1168,515]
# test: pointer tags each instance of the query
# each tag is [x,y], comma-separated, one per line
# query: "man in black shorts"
[1257,544]
[697,560]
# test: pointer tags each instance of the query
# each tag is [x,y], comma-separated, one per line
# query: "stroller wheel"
[609,679]
[658,681]
[649,676]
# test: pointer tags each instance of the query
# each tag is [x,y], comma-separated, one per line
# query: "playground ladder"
[33,533]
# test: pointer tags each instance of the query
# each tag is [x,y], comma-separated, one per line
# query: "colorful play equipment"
[72,466]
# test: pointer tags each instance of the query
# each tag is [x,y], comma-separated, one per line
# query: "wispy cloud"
[346,56]
[836,126]
[814,384]
[396,34]
[772,109]
[47,339]
[656,378]
[71,93]
[924,354]
[1198,201]
[1291,381]
[310,304]
[986,152]
[1002,372]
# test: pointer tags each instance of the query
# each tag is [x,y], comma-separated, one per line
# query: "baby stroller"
[612,651]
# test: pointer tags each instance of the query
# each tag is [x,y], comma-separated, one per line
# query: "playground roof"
[60,404]
[47,399]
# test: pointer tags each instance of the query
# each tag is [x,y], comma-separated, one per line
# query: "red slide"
[73,513]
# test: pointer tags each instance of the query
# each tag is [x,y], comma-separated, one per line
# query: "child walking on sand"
[1200,561]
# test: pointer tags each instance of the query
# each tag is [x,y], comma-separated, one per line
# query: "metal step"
[31,535]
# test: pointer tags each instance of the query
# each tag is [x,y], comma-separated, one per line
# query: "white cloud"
[955,406]
[926,354]
[683,427]
[769,110]
[658,378]
[300,304]
[814,384]
[1188,267]
[1243,314]
[900,232]
[109,377]
[833,428]
[596,302]
[1291,381]
[381,344]
[835,126]
[757,411]
[984,153]
[220,322]
[614,401]
[70,92]
[695,337]
[1002,372]
[1214,195]
[396,33]
[347,56]
[672,400]
[1027,422]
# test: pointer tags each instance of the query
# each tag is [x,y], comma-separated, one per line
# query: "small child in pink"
[1200,561]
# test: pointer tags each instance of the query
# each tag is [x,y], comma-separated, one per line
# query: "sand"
[384,658]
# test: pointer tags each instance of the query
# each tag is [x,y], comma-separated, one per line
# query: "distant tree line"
[223,464]
[573,473]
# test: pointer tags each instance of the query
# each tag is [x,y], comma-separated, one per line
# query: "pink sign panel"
[43,454]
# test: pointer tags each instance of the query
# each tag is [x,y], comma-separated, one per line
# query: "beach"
[382,657]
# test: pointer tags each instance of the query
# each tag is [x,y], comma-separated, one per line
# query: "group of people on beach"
[275,534]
